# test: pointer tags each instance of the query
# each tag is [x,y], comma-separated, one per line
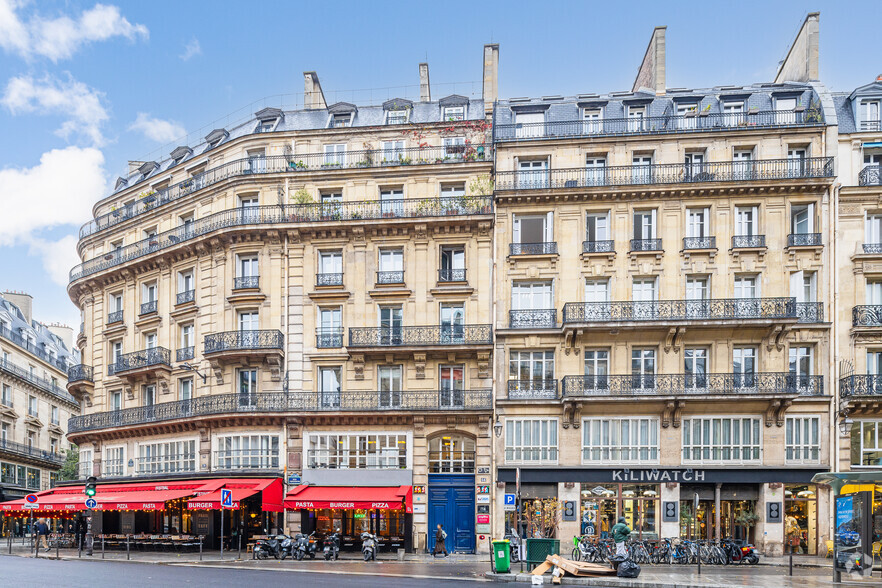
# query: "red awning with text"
[271,499]
[368,498]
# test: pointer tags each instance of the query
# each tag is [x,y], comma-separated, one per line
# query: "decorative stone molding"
[419,360]
[483,364]
[358,365]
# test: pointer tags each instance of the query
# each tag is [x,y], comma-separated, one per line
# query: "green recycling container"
[539,549]
[501,556]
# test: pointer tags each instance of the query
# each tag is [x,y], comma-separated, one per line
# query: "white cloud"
[57,256]
[192,49]
[161,131]
[59,38]
[58,191]
[79,104]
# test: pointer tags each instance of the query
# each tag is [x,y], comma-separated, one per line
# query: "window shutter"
[516,230]
[549,227]
[796,289]
[811,218]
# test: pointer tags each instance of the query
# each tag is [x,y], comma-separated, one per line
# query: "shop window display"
[603,504]
[801,518]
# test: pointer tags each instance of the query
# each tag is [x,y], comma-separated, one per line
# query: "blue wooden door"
[452,503]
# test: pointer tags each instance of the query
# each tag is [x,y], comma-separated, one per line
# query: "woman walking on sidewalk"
[440,537]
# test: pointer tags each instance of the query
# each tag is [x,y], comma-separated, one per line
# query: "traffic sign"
[509,502]
[30,505]
[32,498]
[226,498]
[91,503]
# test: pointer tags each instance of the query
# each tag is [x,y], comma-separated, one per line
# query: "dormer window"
[267,119]
[870,115]
[339,121]
[265,126]
[453,113]
[396,117]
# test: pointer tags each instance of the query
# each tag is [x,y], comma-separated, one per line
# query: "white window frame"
[715,451]
[862,449]
[535,122]
[363,449]
[334,154]
[599,223]
[117,469]
[247,451]
[453,113]
[520,446]
[86,463]
[546,219]
[802,439]
[603,440]
[170,456]
[393,117]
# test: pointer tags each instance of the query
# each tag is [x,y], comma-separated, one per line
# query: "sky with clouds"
[85,86]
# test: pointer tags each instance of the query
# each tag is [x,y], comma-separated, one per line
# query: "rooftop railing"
[688,123]
[667,173]
[289,214]
[416,336]
[275,164]
[287,402]
[727,384]
[708,309]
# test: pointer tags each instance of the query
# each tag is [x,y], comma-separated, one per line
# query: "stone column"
[569,529]
[668,494]
[420,453]
[770,536]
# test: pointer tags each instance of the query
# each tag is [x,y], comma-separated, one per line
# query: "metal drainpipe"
[493,321]
[284,311]
[835,349]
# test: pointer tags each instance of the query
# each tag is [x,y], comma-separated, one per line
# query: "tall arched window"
[452,454]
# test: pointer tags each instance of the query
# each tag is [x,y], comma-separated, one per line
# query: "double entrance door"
[452,504]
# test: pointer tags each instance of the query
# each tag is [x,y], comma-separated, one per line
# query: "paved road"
[18,571]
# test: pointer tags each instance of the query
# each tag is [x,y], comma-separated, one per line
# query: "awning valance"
[349,497]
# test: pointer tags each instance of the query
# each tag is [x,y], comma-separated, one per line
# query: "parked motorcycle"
[745,553]
[331,546]
[271,547]
[514,543]
[305,545]
[286,546]
[369,546]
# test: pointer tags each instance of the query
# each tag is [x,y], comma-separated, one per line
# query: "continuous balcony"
[871,175]
[285,403]
[804,240]
[290,165]
[150,361]
[667,174]
[289,214]
[758,384]
[540,318]
[31,454]
[677,312]
[80,380]
[32,348]
[538,389]
[36,381]
[426,336]
[860,385]
[545,248]
[699,122]
[866,315]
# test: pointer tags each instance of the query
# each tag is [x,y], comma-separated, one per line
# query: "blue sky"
[85,87]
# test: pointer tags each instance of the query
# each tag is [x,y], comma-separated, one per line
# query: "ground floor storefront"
[771,508]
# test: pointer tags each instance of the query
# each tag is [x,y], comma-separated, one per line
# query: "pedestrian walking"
[620,534]
[42,530]
[440,538]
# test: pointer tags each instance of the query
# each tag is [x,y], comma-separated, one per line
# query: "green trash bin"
[539,549]
[501,556]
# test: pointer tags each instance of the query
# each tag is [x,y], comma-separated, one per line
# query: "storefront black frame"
[644,475]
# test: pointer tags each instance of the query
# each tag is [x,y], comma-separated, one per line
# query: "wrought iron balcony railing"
[810,312]
[244,340]
[605,246]
[538,389]
[33,348]
[44,384]
[185,353]
[246,283]
[699,242]
[22,450]
[748,241]
[451,275]
[427,335]
[286,402]
[874,248]
[326,279]
[547,248]
[646,245]
[185,297]
[329,338]
[542,318]
[804,240]
[80,373]
[860,385]
[148,307]
[396,277]
[708,309]
[726,384]
[866,315]
[154,356]
[276,164]
[114,317]
[410,208]
[871,175]
[698,122]
[667,173]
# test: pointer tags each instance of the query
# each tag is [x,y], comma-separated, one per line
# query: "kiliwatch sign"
[628,475]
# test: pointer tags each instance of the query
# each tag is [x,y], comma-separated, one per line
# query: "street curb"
[610,582]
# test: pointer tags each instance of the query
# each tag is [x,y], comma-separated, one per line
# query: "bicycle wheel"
[576,554]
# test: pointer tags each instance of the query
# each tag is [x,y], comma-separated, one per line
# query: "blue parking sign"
[226,498]
[509,502]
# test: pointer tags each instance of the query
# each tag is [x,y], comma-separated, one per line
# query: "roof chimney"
[490,90]
[24,302]
[801,63]
[425,90]
[313,97]
[63,332]
[651,75]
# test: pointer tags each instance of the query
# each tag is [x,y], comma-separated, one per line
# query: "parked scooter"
[286,546]
[331,546]
[515,543]
[305,545]
[271,547]
[369,546]
[745,553]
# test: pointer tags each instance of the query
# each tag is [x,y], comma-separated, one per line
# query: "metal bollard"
[57,541]
[201,539]
[36,546]
[79,546]
[240,546]
[102,546]
[128,556]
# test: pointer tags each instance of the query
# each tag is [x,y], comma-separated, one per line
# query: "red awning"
[146,495]
[241,489]
[369,498]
